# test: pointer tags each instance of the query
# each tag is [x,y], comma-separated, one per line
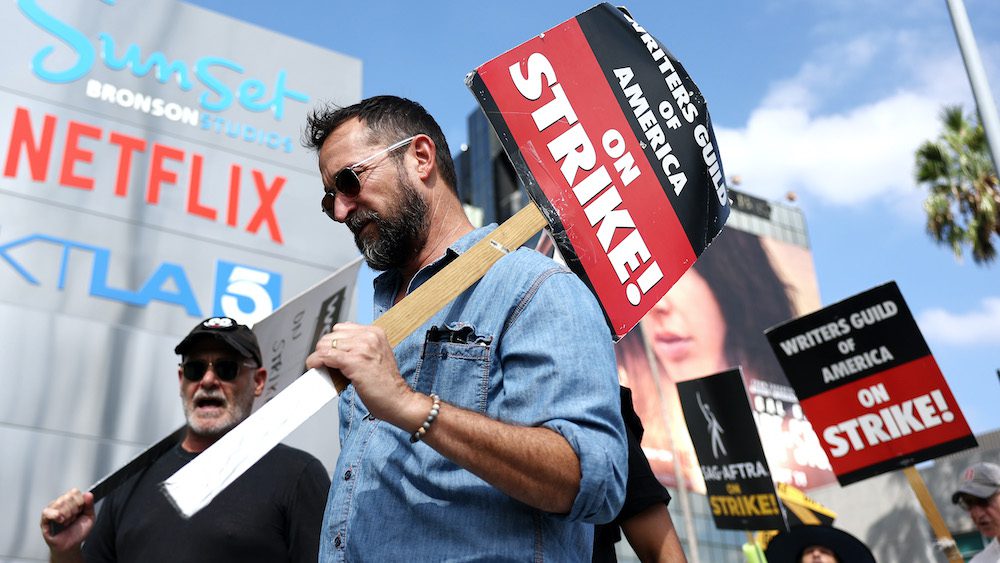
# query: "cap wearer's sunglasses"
[967,502]
[226,370]
[348,183]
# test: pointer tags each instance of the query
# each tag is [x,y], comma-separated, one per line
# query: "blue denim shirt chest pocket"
[455,364]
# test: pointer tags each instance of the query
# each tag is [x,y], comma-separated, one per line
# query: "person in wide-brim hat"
[788,547]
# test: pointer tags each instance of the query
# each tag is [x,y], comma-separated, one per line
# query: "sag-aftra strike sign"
[869,385]
[737,478]
[613,141]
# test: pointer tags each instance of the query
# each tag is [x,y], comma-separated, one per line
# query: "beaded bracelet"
[435,408]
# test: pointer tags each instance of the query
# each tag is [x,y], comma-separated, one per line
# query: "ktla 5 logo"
[242,292]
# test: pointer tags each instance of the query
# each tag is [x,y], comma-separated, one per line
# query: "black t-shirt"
[642,490]
[272,513]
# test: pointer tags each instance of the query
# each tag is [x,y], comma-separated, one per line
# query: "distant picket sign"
[613,141]
[738,481]
[869,385]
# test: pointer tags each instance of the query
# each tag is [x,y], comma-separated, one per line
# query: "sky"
[828,99]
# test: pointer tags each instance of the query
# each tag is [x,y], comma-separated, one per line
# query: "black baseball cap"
[238,337]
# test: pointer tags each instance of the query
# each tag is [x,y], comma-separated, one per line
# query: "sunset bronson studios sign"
[160,143]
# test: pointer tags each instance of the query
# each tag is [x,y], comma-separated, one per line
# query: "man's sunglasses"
[348,183]
[968,502]
[226,370]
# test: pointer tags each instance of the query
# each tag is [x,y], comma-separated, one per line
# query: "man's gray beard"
[399,234]
[238,409]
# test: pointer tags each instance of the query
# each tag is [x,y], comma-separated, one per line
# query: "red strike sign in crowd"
[869,385]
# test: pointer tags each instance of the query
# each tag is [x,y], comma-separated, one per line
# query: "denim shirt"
[528,345]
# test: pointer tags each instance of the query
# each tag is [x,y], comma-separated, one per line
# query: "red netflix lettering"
[265,211]
[22,135]
[195,206]
[73,154]
[158,174]
[234,195]
[127,145]
[168,165]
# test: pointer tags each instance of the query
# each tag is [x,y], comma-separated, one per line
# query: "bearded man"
[492,433]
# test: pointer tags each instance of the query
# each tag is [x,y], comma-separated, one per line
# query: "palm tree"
[963,203]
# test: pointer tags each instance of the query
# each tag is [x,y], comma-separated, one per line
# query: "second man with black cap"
[271,513]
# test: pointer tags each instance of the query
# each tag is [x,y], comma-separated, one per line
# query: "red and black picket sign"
[738,481]
[869,385]
[613,142]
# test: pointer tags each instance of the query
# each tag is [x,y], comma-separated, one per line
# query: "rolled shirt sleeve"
[559,366]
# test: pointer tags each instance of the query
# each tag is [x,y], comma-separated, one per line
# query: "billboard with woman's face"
[711,320]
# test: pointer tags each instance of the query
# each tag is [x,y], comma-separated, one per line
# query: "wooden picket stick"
[401,320]
[196,484]
[933,516]
[420,305]
[803,507]
[802,513]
